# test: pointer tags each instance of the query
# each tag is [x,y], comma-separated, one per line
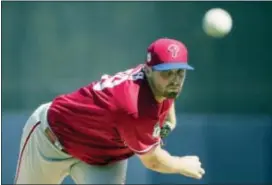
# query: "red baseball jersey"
[110,119]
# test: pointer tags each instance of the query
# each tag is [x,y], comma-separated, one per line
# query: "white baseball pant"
[41,162]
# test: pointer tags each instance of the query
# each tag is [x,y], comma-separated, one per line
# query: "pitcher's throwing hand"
[191,167]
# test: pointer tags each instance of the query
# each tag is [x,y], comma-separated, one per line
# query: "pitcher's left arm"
[170,122]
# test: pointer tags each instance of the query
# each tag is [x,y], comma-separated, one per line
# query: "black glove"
[166,129]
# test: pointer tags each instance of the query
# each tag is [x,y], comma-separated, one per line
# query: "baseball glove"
[166,129]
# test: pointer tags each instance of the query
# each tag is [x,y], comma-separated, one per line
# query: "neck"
[159,99]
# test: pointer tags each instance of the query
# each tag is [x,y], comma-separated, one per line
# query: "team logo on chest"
[156,130]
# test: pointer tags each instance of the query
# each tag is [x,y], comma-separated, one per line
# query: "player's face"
[168,83]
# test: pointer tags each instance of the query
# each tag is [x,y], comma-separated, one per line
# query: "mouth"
[174,88]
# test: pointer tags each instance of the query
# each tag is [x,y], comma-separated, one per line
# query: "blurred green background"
[50,48]
[53,47]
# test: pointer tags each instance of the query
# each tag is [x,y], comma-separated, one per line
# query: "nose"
[177,80]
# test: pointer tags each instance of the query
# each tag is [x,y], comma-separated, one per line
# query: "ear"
[147,70]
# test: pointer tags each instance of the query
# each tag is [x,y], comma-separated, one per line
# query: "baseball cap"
[166,54]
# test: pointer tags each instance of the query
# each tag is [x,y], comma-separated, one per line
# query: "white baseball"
[217,22]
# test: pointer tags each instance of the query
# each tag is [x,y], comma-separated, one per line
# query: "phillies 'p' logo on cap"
[174,50]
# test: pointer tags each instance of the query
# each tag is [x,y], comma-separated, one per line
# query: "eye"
[181,72]
[170,73]
[166,74]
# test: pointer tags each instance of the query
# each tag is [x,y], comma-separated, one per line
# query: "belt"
[53,139]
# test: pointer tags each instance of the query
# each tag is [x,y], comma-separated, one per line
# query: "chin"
[172,95]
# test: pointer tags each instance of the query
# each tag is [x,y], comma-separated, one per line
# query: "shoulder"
[121,88]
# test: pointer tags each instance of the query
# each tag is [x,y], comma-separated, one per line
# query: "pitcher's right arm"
[160,160]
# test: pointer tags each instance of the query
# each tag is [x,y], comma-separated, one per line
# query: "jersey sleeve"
[140,135]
